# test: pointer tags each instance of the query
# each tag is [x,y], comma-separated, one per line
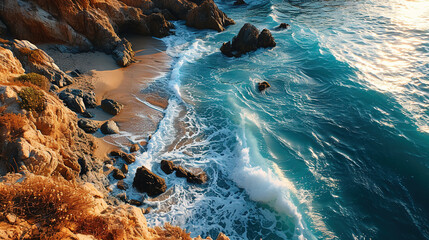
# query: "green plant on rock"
[35,79]
[32,99]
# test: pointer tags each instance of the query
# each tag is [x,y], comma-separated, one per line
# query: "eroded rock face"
[9,65]
[37,61]
[148,182]
[247,40]
[85,24]
[50,142]
[208,16]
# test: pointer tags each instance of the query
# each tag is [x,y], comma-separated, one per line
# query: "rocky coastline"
[56,166]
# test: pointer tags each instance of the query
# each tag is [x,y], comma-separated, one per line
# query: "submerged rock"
[109,127]
[247,40]
[263,85]
[148,182]
[197,178]
[122,185]
[110,106]
[282,26]
[239,2]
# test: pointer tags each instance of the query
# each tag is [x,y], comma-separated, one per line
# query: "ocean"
[337,148]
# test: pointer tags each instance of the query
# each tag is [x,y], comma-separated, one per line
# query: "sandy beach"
[131,86]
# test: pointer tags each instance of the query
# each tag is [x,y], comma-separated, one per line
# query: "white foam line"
[150,105]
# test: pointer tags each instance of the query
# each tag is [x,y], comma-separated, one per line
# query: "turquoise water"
[337,148]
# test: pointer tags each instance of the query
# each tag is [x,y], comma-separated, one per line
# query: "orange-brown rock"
[9,65]
[46,143]
[208,16]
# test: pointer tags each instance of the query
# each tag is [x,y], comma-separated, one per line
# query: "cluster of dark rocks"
[248,39]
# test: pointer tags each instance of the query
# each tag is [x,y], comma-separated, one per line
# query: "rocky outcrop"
[37,61]
[9,65]
[111,107]
[200,177]
[247,40]
[208,16]
[49,142]
[148,182]
[109,127]
[75,103]
[128,158]
[84,24]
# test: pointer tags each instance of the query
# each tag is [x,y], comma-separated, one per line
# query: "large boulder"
[208,16]
[247,40]
[167,166]
[87,125]
[110,106]
[148,182]
[109,127]
[266,39]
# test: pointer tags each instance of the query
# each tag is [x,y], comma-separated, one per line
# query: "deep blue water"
[337,148]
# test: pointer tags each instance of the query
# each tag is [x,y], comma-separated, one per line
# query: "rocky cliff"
[98,24]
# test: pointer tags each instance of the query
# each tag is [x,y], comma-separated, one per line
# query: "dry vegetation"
[32,99]
[34,79]
[34,56]
[169,232]
[11,125]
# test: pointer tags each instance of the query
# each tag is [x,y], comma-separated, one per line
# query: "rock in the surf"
[263,85]
[247,40]
[282,26]
[167,166]
[148,182]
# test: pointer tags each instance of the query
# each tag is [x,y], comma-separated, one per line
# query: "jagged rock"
[167,166]
[239,2]
[263,85]
[158,26]
[37,61]
[9,65]
[128,158]
[178,8]
[135,202]
[87,125]
[181,172]
[208,16]
[222,236]
[148,182]
[247,40]
[84,24]
[89,99]
[123,53]
[118,174]
[124,168]
[282,26]
[110,106]
[266,40]
[75,103]
[109,127]
[197,178]
[134,148]
[122,185]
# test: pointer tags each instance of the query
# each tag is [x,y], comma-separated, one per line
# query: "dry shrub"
[12,124]
[35,79]
[96,226]
[32,99]
[34,56]
[169,232]
[49,202]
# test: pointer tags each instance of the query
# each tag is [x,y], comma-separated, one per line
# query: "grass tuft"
[32,99]
[35,79]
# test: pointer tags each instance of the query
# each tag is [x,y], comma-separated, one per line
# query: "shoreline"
[130,86]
